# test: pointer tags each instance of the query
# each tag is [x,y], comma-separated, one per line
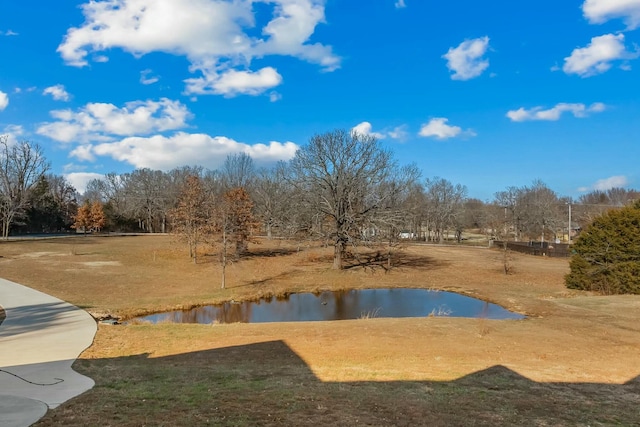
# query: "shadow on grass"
[269,384]
[380,260]
[268,253]
[255,253]
[265,281]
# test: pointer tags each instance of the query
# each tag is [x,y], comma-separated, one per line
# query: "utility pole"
[569,229]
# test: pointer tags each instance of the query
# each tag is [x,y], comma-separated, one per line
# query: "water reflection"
[340,305]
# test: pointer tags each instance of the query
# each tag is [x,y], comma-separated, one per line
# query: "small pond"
[342,305]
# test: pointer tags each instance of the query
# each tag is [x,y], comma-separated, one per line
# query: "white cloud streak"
[466,60]
[57,92]
[103,122]
[598,56]
[164,153]
[146,78]
[438,128]
[211,34]
[400,4]
[554,113]
[232,83]
[600,11]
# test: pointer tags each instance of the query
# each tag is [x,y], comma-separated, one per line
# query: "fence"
[537,248]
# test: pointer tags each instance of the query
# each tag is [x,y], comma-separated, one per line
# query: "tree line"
[341,187]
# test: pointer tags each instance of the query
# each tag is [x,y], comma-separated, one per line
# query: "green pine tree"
[607,254]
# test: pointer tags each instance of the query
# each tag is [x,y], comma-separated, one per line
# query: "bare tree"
[273,196]
[595,203]
[541,213]
[509,200]
[414,210]
[238,171]
[445,206]
[146,191]
[339,175]
[22,165]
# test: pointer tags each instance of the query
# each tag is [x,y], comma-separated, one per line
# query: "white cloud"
[83,152]
[611,182]
[12,133]
[598,56]
[13,129]
[102,122]
[160,152]
[212,34]
[400,4]
[399,133]
[274,96]
[80,179]
[146,79]
[599,11]
[466,61]
[554,113]
[4,100]
[57,92]
[8,33]
[72,167]
[438,128]
[232,82]
[365,128]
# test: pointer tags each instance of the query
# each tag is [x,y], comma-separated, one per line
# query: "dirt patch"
[32,255]
[102,263]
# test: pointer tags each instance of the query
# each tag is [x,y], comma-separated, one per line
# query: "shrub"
[607,254]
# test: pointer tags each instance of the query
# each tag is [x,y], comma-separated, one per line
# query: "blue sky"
[484,94]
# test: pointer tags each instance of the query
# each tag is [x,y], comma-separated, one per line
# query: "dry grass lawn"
[574,361]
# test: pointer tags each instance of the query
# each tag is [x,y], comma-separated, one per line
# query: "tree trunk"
[224,257]
[338,255]
[195,253]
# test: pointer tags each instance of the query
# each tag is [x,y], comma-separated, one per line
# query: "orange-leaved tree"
[235,222]
[98,218]
[239,221]
[191,216]
[90,217]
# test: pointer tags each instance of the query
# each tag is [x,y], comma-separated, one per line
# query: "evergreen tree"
[607,254]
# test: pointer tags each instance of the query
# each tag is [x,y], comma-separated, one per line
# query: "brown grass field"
[575,361]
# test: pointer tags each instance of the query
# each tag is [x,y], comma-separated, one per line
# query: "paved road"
[40,338]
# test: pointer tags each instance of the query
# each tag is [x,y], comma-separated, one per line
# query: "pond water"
[342,305]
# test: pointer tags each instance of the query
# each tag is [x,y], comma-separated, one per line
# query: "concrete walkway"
[40,338]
